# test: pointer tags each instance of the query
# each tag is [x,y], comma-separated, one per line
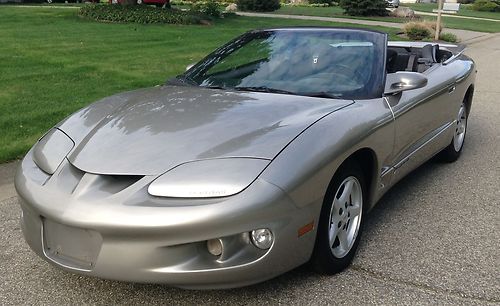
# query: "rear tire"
[341,220]
[453,151]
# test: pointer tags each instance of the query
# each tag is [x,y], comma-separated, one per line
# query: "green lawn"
[465,10]
[469,24]
[450,22]
[328,11]
[53,63]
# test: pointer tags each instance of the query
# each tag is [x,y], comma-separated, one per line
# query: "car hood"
[150,131]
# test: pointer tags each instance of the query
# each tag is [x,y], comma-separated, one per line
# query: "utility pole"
[438,25]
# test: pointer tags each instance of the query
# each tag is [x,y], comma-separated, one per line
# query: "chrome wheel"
[458,138]
[345,216]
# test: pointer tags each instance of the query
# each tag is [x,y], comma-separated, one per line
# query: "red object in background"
[155,2]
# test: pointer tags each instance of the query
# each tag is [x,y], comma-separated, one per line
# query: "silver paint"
[125,142]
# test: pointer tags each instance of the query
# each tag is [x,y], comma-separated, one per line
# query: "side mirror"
[190,66]
[403,81]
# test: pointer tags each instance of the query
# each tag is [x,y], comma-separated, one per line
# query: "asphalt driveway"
[433,239]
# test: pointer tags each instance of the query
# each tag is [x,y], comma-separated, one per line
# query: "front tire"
[341,221]
[453,151]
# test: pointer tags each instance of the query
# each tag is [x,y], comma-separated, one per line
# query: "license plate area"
[70,247]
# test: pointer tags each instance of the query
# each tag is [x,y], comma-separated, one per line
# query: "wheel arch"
[366,158]
[468,98]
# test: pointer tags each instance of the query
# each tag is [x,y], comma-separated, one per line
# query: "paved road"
[463,35]
[432,240]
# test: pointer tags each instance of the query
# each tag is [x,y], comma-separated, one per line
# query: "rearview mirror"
[403,81]
[190,66]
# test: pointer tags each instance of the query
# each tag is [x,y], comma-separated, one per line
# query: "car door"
[422,121]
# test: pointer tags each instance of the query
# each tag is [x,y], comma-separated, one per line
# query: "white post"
[438,23]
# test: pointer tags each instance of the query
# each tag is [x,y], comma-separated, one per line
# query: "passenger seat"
[428,57]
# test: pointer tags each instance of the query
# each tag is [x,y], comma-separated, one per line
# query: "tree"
[364,7]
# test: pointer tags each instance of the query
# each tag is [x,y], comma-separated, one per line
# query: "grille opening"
[117,183]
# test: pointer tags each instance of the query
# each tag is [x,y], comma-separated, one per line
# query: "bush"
[137,14]
[364,7]
[208,8]
[485,6]
[449,37]
[417,30]
[421,30]
[258,5]
[431,25]
[327,2]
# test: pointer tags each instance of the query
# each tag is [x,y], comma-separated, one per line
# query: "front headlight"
[51,149]
[208,178]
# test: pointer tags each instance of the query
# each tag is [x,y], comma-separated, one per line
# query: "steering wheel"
[351,72]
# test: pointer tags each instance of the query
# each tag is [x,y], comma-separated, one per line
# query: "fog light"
[262,238]
[214,247]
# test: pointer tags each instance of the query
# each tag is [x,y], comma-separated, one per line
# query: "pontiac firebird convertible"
[265,155]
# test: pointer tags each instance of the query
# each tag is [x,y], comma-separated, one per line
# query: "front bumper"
[84,223]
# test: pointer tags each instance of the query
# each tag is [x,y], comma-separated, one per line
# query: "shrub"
[258,5]
[364,7]
[449,37]
[431,25]
[137,14]
[485,6]
[421,30]
[208,8]
[327,2]
[417,30]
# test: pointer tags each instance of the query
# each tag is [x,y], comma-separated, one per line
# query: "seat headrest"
[391,60]
[430,52]
[391,54]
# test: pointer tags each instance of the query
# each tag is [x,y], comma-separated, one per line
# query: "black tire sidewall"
[323,259]
[449,154]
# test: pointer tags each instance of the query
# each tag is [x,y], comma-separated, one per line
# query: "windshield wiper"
[214,87]
[322,94]
[264,89]
[182,80]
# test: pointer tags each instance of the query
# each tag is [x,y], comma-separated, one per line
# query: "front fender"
[305,168]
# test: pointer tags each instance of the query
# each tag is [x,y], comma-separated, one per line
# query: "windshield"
[339,63]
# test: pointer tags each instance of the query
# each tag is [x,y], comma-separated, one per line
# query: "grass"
[469,24]
[52,63]
[449,22]
[328,11]
[465,10]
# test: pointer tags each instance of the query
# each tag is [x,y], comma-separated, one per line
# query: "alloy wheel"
[345,216]
[461,127]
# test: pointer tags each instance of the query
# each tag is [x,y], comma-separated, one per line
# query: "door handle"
[452,89]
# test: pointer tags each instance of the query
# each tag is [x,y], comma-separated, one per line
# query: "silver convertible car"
[265,155]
